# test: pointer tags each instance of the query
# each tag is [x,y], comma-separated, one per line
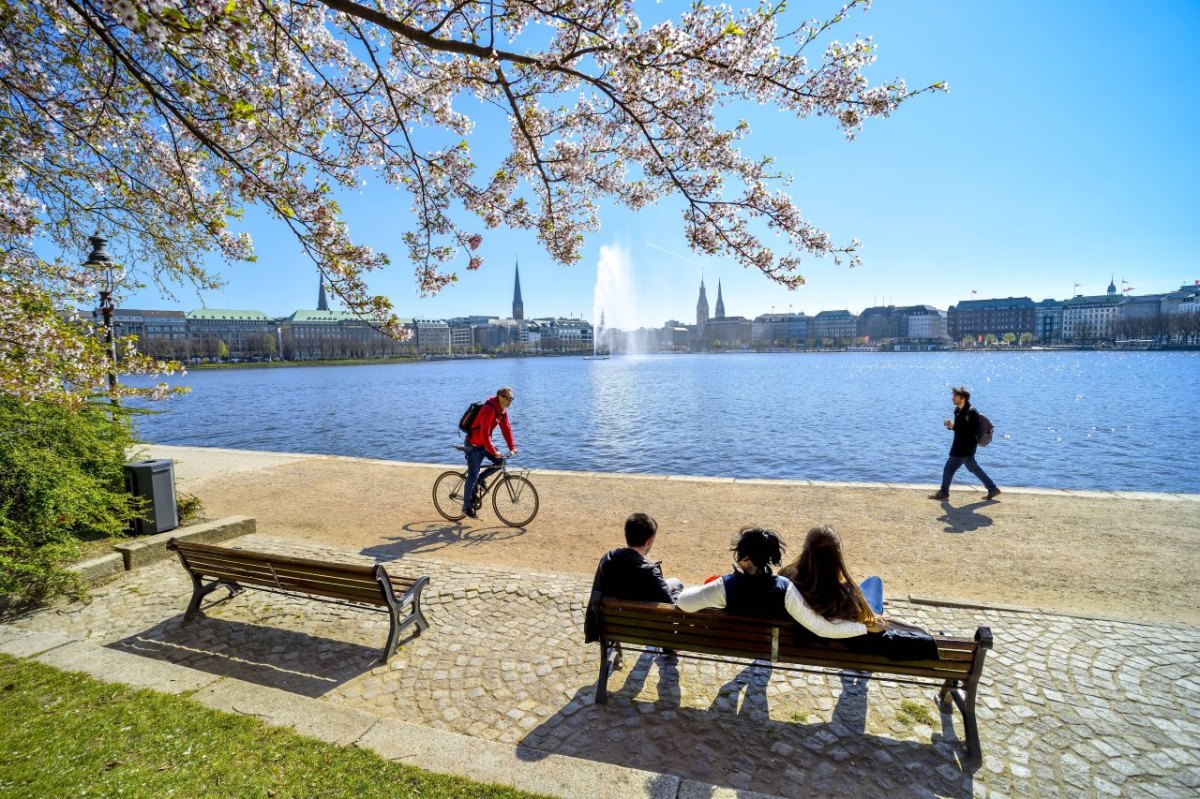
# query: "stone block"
[312,717]
[111,665]
[102,569]
[522,768]
[32,643]
[153,548]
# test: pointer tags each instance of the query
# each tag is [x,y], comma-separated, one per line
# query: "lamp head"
[101,261]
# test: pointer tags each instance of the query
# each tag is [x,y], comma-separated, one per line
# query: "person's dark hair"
[821,577]
[761,546]
[639,528]
[962,392]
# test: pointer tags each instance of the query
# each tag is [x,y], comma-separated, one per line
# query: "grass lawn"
[68,735]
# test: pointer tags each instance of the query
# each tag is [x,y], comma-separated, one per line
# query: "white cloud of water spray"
[615,297]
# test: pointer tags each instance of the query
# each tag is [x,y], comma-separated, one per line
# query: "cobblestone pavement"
[1068,706]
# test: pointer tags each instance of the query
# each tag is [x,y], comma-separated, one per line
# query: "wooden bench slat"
[956,670]
[345,582]
[279,560]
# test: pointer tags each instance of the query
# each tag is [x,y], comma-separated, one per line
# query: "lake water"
[1097,420]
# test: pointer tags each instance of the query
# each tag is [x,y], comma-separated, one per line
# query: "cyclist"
[479,444]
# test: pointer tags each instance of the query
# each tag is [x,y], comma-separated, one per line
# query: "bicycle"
[514,499]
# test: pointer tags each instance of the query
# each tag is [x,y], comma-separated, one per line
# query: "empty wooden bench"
[719,637]
[365,587]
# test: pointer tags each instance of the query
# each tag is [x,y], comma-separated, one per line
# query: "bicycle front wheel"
[515,501]
[448,494]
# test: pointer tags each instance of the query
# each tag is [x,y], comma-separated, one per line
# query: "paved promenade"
[1069,706]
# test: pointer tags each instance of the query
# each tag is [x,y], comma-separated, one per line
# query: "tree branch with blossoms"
[162,120]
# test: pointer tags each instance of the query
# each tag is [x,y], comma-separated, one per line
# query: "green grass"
[911,712]
[67,735]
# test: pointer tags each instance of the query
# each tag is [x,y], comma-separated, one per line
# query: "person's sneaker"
[992,494]
[939,495]
[470,513]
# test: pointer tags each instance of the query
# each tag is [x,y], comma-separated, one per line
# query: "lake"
[1094,420]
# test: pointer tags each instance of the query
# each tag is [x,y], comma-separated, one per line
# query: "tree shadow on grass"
[267,646]
[964,519]
[425,538]
[736,744]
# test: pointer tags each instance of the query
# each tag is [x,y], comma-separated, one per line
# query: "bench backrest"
[352,582]
[715,632]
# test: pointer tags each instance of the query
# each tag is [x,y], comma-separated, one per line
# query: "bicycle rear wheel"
[448,494]
[515,501]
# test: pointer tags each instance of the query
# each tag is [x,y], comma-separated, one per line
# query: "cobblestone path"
[1068,706]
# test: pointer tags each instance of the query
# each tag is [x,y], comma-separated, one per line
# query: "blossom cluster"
[159,121]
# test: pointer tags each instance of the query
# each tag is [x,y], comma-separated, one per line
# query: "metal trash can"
[154,481]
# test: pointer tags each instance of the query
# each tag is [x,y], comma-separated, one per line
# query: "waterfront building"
[980,318]
[160,334]
[243,333]
[832,327]
[1047,321]
[433,336]
[879,323]
[779,330]
[921,323]
[1091,318]
[565,335]
[729,332]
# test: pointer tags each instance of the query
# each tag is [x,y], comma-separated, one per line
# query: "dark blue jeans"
[952,465]
[475,456]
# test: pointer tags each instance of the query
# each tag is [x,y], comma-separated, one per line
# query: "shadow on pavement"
[424,538]
[735,743]
[964,519]
[276,657]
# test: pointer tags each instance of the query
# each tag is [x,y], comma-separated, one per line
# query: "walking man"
[966,440]
[479,444]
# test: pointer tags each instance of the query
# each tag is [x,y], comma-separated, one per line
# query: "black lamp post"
[110,275]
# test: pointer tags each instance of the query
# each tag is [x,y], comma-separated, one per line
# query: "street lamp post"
[110,274]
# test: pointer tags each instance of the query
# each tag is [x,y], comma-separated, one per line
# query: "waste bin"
[153,481]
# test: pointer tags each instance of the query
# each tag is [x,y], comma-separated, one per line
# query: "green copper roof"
[225,315]
[323,316]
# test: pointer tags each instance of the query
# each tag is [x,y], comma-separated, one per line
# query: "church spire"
[518,303]
[720,301]
[322,302]
[702,307]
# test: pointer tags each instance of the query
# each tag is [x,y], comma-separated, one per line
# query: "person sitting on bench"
[625,573]
[753,590]
[825,585]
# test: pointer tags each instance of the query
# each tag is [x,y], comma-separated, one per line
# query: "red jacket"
[486,420]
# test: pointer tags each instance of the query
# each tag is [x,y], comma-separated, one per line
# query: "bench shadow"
[964,519]
[424,538]
[735,744]
[264,654]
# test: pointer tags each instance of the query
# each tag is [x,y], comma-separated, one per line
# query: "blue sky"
[1065,152]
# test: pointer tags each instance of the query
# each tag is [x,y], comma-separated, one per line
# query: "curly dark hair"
[760,546]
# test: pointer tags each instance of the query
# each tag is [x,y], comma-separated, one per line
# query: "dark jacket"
[624,574]
[900,641]
[966,432]
[759,596]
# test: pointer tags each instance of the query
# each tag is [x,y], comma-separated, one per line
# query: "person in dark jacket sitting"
[753,590]
[624,573]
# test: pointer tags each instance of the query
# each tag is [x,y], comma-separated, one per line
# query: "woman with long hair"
[824,582]
[752,589]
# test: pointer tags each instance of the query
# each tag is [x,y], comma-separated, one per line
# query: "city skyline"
[1026,174]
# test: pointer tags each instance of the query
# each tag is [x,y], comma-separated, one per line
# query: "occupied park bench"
[366,587]
[724,638]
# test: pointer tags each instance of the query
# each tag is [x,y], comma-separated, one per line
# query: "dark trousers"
[952,465]
[475,456]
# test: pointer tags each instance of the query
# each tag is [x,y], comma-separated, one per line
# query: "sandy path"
[1112,555]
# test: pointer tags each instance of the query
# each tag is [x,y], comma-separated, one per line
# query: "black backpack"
[985,430]
[468,418]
